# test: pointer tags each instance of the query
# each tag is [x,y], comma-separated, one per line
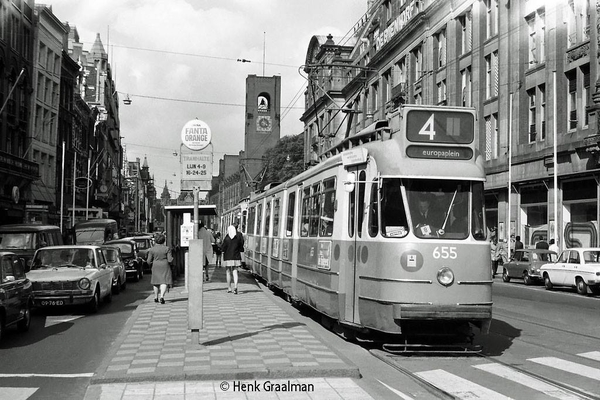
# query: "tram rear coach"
[387,234]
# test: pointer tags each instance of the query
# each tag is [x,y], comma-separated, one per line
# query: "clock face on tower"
[263,123]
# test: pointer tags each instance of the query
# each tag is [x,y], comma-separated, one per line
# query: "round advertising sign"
[196,135]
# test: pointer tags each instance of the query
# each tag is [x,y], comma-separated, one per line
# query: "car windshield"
[111,255]
[142,243]
[591,256]
[60,257]
[126,248]
[544,256]
[89,236]
[17,240]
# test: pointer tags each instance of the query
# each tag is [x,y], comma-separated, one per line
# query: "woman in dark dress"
[232,249]
[159,259]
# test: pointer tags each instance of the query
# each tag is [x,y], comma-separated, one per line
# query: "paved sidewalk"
[249,347]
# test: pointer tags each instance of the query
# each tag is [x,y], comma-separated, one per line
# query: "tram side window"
[393,213]
[374,211]
[328,209]
[276,216]
[251,215]
[351,210]
[267,218]
[259,220]
[478,212]
[315,210]
[306,203]
[361,201]
[290,214]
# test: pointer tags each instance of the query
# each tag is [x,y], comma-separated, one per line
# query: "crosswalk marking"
[396,392]
[564,365]
[592,355]
[16,393]
[523,379]
[459,387]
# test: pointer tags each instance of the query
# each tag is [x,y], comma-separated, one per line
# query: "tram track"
[394,361]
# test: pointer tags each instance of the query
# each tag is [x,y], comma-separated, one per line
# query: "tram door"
[356,210]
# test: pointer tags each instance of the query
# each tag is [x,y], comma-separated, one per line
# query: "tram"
[385,236]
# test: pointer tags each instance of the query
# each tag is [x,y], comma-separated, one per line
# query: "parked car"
[16,293]
[143,244]
[129,253]
[112,254]
[25,239]
[71,275]
[525,264]
[579,268]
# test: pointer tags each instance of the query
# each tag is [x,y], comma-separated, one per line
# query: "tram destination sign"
[439,152]
[433,126]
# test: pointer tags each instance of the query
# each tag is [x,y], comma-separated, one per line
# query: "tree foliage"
[284,160]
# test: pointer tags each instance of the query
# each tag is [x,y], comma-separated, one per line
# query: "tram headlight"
[445,276]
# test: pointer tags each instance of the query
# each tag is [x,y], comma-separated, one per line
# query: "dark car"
[525,264]
[144,242]
[16,293]
[129,253]
[25,239]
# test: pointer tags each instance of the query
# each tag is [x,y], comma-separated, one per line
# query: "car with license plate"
[71,275]
[112,254]
[16,293]
[129,253]
[25,239]
[525,264]
[578,268]
[144,242]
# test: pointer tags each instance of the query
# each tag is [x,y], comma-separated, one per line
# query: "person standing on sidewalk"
[232,248]
[159,259]
[207,241]
[217,249]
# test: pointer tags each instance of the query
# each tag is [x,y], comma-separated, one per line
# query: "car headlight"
[445,276]
[84,283]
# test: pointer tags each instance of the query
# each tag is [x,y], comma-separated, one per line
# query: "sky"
[177,61]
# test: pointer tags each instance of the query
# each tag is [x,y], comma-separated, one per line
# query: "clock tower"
[262,128]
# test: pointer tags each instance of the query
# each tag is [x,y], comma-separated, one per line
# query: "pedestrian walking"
[232,248]
[160,259]
[207,241]
[553,246]
[217,249]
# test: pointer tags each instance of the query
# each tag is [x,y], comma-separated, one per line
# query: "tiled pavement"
[246,339]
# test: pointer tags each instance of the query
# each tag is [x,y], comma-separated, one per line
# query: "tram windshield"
[437,208]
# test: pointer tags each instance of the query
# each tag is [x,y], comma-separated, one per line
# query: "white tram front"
[386,235]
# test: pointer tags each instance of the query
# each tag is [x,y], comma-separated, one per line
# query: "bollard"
[195,282]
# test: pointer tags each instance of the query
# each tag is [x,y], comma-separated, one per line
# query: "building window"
[14,32]
[491,137]
[491,19]
[441,48]
[418,57]
[465,33]
[532,115]
[491,75]
[585,94]
[399,73]
[572,100]
[466,87]
[441,92]
[536,28]
[542,102]
[386,93]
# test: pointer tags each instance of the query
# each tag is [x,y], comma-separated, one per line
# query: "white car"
[71,275]
[579,268]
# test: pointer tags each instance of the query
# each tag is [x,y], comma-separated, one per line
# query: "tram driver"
[425,218]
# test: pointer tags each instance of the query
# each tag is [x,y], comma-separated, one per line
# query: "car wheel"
[581,287]
[24,324]
[547,282]
[505,276]
[136,278]
[94,303]
[141,272]
[527,279]
[117,288]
